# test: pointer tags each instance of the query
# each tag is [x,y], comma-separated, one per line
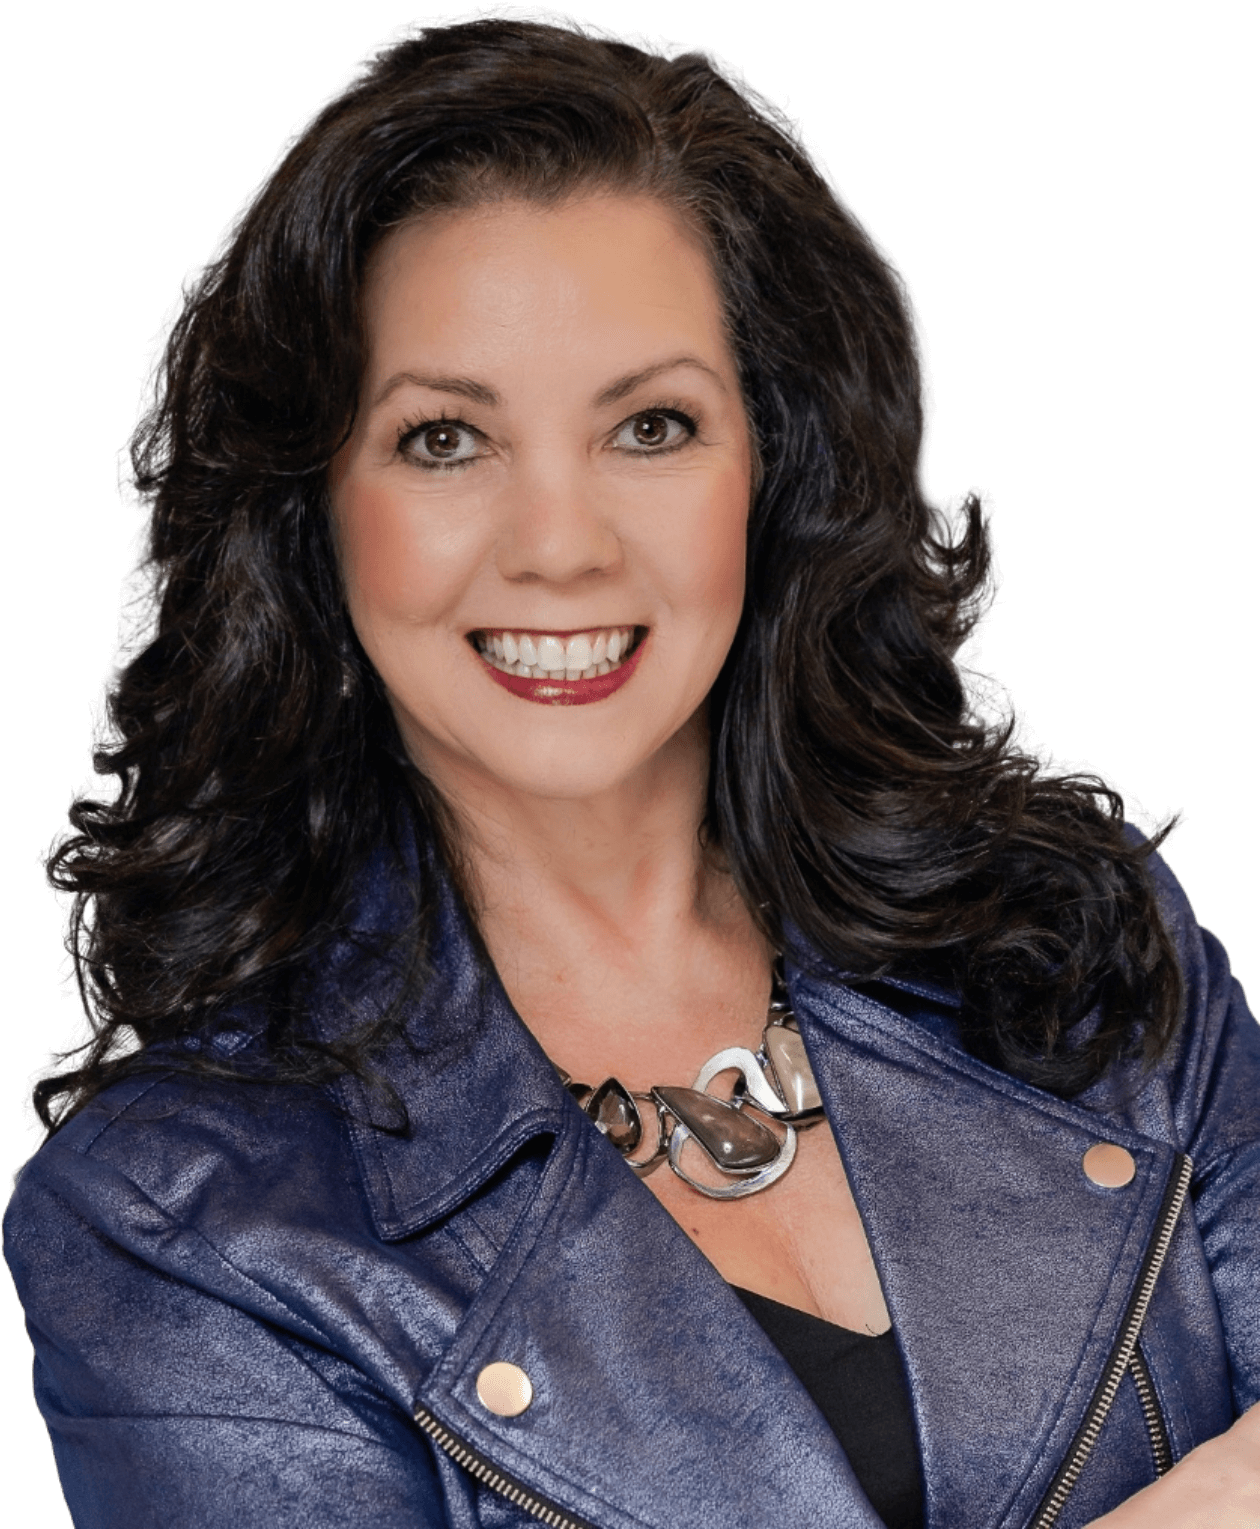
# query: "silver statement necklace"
[775,1083]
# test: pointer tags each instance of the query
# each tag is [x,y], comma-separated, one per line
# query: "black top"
[856,1382]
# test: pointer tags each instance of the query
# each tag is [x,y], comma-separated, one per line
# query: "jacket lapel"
[1006,1270]
[657,1400]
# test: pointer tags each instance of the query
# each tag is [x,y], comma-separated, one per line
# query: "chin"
[564,778]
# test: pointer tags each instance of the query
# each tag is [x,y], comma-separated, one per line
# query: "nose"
[552,529]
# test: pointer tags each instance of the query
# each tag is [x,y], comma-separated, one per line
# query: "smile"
[561,668]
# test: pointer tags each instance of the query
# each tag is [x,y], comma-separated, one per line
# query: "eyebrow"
[478,392]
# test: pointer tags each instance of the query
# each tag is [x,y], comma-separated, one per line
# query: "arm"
[1216,1486]
[169,1404]
[1211,1085]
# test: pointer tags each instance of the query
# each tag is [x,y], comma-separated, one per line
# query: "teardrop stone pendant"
[735,1141]
[616,1114]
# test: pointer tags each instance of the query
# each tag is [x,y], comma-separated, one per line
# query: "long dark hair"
[861,805]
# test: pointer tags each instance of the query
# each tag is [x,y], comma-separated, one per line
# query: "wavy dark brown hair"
[863,806]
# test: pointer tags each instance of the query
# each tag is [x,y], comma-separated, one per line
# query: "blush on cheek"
[399,560]
[710,543]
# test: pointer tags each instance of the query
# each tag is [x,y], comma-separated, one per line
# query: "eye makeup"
[442,432]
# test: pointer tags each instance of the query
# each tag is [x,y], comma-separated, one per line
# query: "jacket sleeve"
[1217,1102]
[168,1404]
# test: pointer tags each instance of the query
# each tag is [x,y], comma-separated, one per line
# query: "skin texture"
[623,945]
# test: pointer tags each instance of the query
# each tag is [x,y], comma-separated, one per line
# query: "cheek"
[402,563]
[704,542]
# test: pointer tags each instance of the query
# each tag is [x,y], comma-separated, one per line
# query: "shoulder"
[1201,1096]
[164,1155]
[1212,1068]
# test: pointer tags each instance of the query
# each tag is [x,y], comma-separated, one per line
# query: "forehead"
[627,269]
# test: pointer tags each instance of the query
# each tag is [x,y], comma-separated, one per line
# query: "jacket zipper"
[482,1470]
[1157,1431]
[1122,1355]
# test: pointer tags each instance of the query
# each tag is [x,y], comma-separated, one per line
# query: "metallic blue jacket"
[250,1307]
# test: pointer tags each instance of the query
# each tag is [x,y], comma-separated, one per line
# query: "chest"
[798,1239]
[801,1242]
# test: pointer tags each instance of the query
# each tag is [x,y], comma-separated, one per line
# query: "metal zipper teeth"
[481,1469]
[1161,1445]
[1087,1435]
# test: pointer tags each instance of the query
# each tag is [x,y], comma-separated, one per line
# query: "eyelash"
[415,427]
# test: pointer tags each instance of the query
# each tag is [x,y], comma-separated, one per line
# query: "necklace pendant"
[775,1082]
[736,1142]
[738,1186]
[792,1074]
[752,1084]
[615,1114]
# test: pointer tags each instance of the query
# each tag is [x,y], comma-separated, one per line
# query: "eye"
[654,431]
[440,443]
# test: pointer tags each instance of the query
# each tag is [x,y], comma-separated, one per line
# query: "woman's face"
[551,465]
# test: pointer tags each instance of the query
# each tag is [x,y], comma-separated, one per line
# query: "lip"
[559,692]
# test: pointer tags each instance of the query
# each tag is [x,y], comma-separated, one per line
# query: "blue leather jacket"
[252,1308]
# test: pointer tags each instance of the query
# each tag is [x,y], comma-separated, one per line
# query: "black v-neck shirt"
[856,1382]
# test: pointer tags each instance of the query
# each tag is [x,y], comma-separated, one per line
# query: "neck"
[605,916]
[627,860]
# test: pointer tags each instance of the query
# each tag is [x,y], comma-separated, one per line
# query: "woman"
[552,635]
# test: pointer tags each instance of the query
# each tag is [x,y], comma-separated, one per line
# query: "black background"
[1061,216]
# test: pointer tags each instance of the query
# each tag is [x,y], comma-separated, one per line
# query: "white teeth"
[550,653]
[584,656]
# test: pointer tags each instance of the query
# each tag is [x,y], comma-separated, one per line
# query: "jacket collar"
[474,1084]
[1006,1272]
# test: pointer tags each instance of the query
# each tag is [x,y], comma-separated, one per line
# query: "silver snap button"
[504,1389]
[1108,1166]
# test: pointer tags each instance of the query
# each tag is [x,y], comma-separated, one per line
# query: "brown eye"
[654,431]
[442,440]
[443,443]
[651,429]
